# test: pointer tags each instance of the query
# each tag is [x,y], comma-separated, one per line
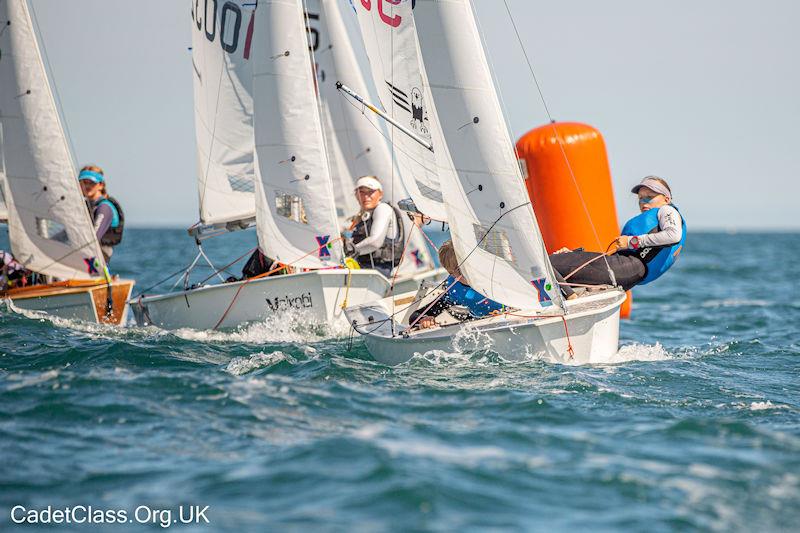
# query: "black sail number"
[230,23]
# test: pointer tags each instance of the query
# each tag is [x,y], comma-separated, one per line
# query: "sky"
[703,93]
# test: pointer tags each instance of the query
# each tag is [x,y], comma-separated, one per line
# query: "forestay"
[357,143]
[295,216]
[48,223]
[387,28]
[492,223]
[222,39]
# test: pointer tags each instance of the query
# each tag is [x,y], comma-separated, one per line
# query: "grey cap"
[653,183]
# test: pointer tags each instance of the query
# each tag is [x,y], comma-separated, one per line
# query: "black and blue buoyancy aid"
[113,236]
[656,259]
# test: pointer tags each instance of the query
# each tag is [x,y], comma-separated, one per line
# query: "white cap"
[370,182]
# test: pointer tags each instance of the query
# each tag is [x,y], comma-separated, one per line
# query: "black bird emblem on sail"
[419,117]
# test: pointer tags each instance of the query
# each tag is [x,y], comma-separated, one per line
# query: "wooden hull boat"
[75,299]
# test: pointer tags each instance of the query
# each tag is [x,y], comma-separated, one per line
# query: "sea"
[288,426]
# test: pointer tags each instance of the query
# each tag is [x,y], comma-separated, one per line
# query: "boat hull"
[317,296]
[591,329]
[77,300]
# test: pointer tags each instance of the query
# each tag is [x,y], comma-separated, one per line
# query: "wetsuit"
[463,295]
[661,231]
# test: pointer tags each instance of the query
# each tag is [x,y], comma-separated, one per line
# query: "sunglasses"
[648,199]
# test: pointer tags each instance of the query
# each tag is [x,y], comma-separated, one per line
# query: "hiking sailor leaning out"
[107,215]
[377,240]
[648,247]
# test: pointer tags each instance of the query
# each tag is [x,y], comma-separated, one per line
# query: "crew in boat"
[459,293]
[649,245]
[378,234]
[107,215]
[13,274]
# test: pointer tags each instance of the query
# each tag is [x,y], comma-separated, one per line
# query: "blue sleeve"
[103,218]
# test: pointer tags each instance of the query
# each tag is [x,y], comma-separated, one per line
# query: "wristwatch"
[633,242]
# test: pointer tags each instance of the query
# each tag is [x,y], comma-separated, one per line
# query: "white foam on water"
[291,326]
[22,381]
[735,302]
[766,406]
[640,352]
[239,366]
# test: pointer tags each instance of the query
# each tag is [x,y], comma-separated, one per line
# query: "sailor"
[13,274]
[459,293]
[649,245]
[378,234]
[107,215]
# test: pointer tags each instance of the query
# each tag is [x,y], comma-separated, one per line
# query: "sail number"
[230,24]
[391,21]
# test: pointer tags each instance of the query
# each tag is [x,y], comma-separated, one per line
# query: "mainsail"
[492,223]
[357,142]
[295,216]
[222,39]
[48,223]
[387,28]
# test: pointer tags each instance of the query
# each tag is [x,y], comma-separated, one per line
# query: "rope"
[265,274]
[402,255]
[570,349]
[592,260]
[347,289]
[223,269]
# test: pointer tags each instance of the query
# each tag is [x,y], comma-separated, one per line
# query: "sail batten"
[49,226]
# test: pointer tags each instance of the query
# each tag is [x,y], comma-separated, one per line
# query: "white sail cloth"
[357,142]
[295,216]
[492,223]
[222,39]
[387,28]
[48,223]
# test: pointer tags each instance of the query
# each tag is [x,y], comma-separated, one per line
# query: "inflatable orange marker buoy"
[574,202]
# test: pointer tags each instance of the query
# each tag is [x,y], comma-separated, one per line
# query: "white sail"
[492,223]
[357,141]
[294,194]
[222,39]
[48,223]
[387,29]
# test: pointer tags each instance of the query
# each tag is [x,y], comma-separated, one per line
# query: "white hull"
[592,323]
[317,295]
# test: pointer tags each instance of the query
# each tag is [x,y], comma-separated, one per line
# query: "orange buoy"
[574,202]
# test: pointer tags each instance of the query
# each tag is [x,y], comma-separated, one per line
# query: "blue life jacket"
[656,259]
[478,304]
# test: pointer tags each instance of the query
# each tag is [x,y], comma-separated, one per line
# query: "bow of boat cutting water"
[695,426]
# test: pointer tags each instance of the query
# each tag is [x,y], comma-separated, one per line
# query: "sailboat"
[49,227]
[263,160]
[493,227]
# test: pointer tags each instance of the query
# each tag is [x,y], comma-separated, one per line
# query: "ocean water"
[694,427]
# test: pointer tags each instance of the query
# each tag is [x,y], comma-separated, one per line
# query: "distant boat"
[49,225]
[436,58]
[269,156]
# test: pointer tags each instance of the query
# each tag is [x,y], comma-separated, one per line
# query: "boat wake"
[292,326]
